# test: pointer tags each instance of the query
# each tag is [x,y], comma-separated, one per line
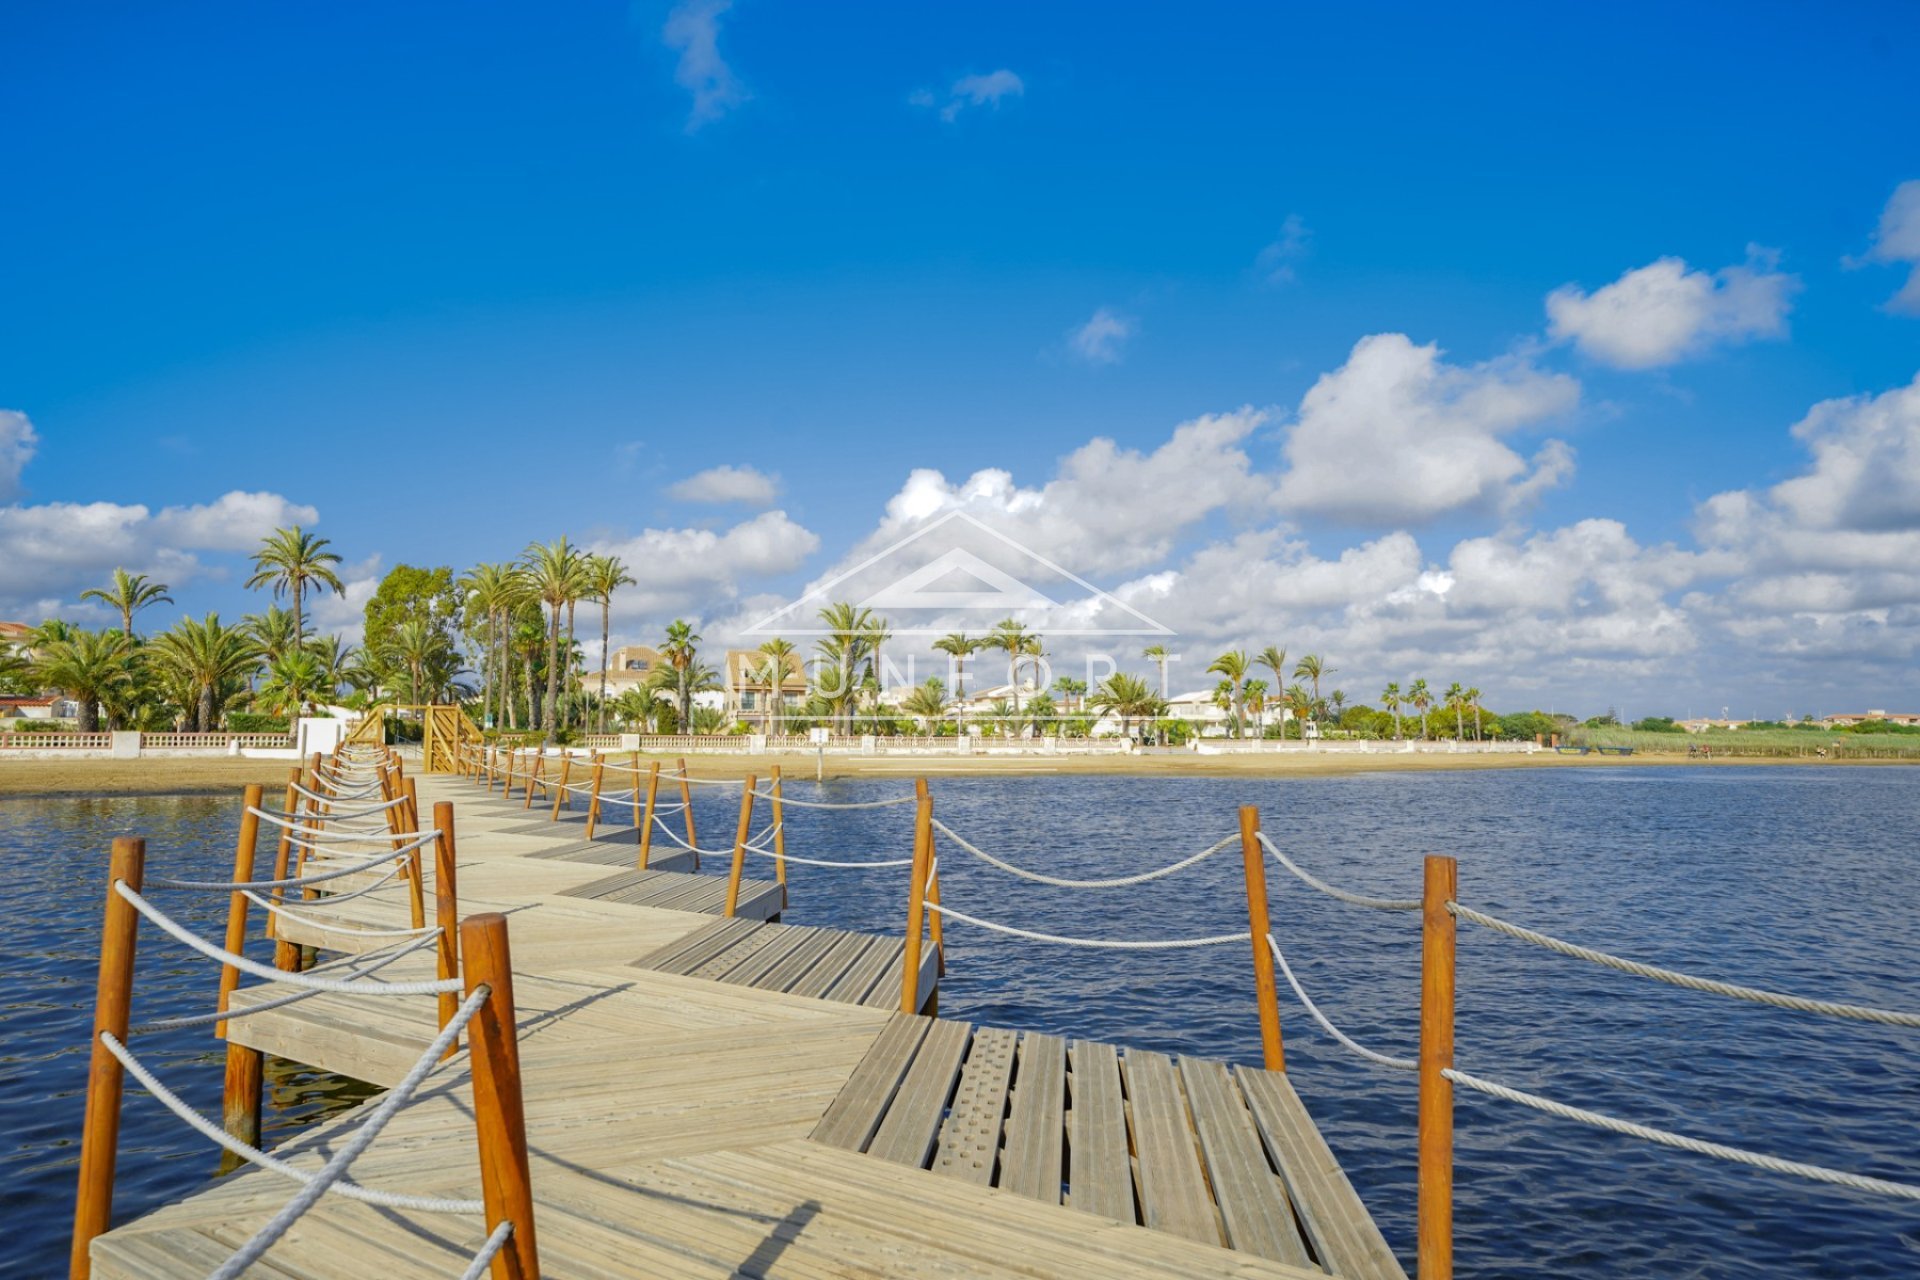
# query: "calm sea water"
[1805,880]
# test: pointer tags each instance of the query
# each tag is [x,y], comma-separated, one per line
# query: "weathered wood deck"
[726,1097]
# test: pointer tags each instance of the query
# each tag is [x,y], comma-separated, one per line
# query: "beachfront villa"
[1847,719]
[750,696]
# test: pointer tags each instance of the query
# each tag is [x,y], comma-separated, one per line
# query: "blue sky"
[445,279]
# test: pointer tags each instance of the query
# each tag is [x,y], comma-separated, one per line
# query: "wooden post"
[446,911]
[937,925]
[779,839]
[686,801]
[506,1185]
[646,822]
[917,903]
[533,775]
[1435,1237]
[236,901]
[560,796]
[112,1004]
[593,805]
[282,855]
[1254,859]
[740,835]
[633,792]
[416,900]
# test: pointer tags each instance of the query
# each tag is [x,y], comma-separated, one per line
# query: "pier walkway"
[717,1097]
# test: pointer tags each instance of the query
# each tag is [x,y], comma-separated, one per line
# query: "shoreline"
[82,779]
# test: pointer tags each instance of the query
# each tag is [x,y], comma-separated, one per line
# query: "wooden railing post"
[593,804]
[1254,859]
[917,902]
[937,924]
[1435,1243]
[506,1185]
[446,911]
[633,788]
[533,776]
[779,818]
[686,811]
[236,901]
[740,835]
[417,899]
[282,855]
[646,823]
[112,1004]
[560,796]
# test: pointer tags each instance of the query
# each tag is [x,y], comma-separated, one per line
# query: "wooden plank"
[906,1136]
[696,946]
[1099,1173]
[860,977]
[819,942]
[835,964]
[1252,1199]
[1173,1186]
[1033,1164]
[855,1114]
[730,959]
[1338,1228]
[786,940]
[970,1136]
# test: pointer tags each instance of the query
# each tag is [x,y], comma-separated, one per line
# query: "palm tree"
[1456,698]
[1421,697]
[336,658]
[1274,659]
[1390,699]
[1018,642]
[553,572]
[1126,696]
[780,662]
[841,649]
[210,660]
[1473,696]
[1300,702]
[642,706]
[927,702]
[958,646]
[1157,654]
[274,632]
[605,575]
[1310,668]
[129,593]
[414,645]
[493,592]
[91,667]
[1234,666]
[1339,700]
[1256,699]
[288,560]
[1071,691]
[681,653]
[294,682]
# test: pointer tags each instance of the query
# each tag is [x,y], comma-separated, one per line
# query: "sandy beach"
[202,777]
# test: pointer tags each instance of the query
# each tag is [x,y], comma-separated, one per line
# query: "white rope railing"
[315,796]
[330,831]
[674,836]
[822,804]
[1357,899]
[1712,986]
[1100,944]
[1306,1001]
[358,967]
[284,913]
[335,1169]
[1115,883]
[235,886]
[180,933]
[254,1156]
[484,1259]
[335,899]
[1699,1146]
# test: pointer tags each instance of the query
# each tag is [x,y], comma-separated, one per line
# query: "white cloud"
[17,441]
[1898,240]
[1275,263]
[233,522]
[726,484]
[1398,435]
[698,571]
[346,615]
[971,91]
[693,30]
[1663,312]
[1099,340]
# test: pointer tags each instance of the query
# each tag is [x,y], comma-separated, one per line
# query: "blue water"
[1805,880]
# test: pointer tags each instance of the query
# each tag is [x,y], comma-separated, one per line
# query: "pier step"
[679,891]
[1215,1154]
[825,964]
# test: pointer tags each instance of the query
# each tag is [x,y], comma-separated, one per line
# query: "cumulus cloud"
[1396,434]
[1898,240]
[233,522]
[728,484]
[1100,339]
[1275,263]
[1664,312]
[971,91]
[17,442]
[693,30]
[702,570]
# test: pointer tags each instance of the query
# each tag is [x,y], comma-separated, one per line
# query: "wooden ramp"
[679,891]
[826,964]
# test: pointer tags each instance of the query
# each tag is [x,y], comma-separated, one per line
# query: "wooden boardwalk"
[727,1097]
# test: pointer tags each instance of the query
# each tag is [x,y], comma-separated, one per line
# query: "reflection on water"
[1803,880]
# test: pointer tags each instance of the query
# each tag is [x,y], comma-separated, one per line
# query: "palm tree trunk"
[567,684]
[606,638]
[553,671]
[299,628]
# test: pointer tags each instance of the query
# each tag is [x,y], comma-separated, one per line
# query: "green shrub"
[254,722]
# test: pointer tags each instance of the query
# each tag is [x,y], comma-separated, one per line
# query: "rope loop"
[1116,883]
[1358,900]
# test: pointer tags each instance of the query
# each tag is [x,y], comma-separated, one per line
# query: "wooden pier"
[729,1096]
